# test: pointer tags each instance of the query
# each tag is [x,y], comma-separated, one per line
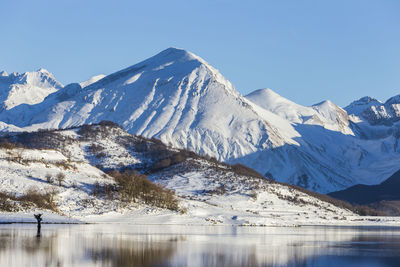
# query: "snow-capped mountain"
[179,98]
[325,114]
[333,150]
[174,96]
[26,88]
[375,112]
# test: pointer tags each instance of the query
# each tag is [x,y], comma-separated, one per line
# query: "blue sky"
[305,50]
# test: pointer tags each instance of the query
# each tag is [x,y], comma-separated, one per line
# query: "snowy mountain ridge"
[180,99]
[26,88]
[375,112]
[325,114]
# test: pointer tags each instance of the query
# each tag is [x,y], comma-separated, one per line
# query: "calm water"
[131,245]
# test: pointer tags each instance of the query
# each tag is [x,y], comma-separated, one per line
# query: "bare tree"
[49,179]
[60,178]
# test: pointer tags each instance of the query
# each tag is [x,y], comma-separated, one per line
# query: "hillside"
[207,191]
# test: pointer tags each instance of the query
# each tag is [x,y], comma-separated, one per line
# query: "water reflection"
[130,253]
[129,245]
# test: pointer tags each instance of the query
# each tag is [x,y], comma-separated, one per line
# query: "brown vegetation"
[241,169]
[133,187]
[5,144]
[60,178]
[358,209]
[49,178]
[105,189]
[33,197]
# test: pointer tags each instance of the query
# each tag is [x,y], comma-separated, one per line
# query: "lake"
[140,245]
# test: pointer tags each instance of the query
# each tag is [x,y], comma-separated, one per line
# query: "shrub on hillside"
[241,169]
[104,189]
[172,158]
[6,202]
[86,131]
[32,197]
[358,209]
[109,124]
[60,178]
[94,148]
[5,144]
[133,186]
[49,178]
[43,200]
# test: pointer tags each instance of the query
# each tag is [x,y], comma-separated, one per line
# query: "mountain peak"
[179,59]
[269,99]
[179,53]
[263,91]
[327,106]
[324,103]
[359,106]
[26,88]
[42,70]
[3,74]
[363,101]
[393,100]
[171,66]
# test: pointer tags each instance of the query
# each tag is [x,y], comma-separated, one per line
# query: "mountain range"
[179,98]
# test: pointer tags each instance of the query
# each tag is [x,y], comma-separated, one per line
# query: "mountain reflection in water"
[131,245]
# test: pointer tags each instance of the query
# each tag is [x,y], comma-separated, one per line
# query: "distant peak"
[361,103]
[365,100]
[42,70]
[3,74]
[393,100]
[180,54]
[263,91]
[325,103]
[175,50]
[267,98]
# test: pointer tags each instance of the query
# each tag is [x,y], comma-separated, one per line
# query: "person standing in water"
[39,226]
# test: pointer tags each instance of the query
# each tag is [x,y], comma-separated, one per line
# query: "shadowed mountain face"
[179,98]
[388,190]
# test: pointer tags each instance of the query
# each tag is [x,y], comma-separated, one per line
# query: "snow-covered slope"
[92,80]
[26,88]
[209,192]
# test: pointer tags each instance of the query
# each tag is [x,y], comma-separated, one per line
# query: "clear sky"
[305,50]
